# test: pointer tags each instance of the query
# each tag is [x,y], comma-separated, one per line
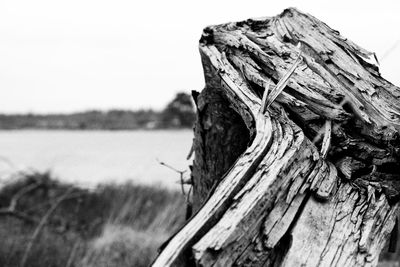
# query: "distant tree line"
[179,113]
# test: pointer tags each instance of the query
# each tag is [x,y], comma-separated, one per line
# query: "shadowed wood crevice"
[317,184]
[220,131]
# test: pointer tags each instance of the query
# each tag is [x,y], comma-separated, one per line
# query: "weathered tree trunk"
[307,176]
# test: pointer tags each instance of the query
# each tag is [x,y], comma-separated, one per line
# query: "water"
[92,157]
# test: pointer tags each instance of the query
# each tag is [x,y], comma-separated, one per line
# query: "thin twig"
[182,182]
[190,152]
[170,167]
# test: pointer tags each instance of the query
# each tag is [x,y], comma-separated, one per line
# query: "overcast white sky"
[63,56]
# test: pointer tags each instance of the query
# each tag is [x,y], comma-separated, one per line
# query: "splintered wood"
[318,183]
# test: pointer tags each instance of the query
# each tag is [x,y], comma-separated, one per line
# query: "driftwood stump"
[296,150]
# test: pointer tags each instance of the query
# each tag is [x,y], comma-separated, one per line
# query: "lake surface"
[92,157]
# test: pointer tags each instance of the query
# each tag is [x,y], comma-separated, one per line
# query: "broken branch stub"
[291,197]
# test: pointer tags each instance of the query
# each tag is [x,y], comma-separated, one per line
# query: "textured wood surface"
[318,183]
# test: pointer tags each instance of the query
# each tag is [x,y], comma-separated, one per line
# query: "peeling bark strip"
[318,184]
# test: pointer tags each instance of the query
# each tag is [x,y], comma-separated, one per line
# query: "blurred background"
[96,117]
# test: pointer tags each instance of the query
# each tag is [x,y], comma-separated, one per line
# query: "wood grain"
[318,184]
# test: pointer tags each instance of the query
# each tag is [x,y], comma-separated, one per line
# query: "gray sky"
[63,56]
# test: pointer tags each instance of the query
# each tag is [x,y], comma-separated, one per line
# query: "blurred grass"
[109,226]
[112,225]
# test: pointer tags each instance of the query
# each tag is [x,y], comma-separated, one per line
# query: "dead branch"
[11,210]
[19,215]
[181,173]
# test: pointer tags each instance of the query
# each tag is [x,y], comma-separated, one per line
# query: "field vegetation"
[44,222]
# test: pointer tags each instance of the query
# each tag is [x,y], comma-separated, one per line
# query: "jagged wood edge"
[214,217]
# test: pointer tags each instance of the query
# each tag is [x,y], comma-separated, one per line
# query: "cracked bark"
[314,180]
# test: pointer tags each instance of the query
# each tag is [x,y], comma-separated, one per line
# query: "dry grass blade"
[42,223]
[72,254]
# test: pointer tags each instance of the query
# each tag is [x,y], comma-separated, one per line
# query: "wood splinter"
[326,142]
[263,107]
[269,98]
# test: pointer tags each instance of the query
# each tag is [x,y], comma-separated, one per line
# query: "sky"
[66,56]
